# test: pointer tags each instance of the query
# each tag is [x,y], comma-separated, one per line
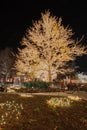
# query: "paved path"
[80,94]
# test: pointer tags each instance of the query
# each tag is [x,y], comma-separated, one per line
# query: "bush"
[36,84]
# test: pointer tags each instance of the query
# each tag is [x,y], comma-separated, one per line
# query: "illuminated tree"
[27,60]
[6,61]
[49,47]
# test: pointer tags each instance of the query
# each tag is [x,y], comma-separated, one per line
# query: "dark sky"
[17,15]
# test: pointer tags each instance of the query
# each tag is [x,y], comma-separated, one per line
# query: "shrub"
[36,84]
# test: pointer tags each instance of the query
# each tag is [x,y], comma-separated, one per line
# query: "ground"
[42,112]
[43,109]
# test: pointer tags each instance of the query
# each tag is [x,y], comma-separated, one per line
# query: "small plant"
[37,110]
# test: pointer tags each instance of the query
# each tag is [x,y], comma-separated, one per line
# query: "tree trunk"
[49,75]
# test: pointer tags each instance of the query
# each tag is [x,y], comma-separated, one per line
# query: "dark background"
[17,16]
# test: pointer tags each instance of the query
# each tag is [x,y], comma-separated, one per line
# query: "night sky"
[17,16]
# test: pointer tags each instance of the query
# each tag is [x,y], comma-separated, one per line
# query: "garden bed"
[19,112]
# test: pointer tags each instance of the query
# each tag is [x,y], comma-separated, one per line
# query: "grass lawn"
[41,113]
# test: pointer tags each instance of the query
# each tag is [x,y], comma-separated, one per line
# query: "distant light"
[82,77]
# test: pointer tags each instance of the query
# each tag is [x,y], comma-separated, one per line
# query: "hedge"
[36,84]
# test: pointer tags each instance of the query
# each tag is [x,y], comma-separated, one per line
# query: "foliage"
[48,48]
[6,61]
[36,84]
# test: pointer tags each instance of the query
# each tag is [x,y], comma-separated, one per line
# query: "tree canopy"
[49,47]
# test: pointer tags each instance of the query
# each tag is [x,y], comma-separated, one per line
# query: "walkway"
[80,94]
